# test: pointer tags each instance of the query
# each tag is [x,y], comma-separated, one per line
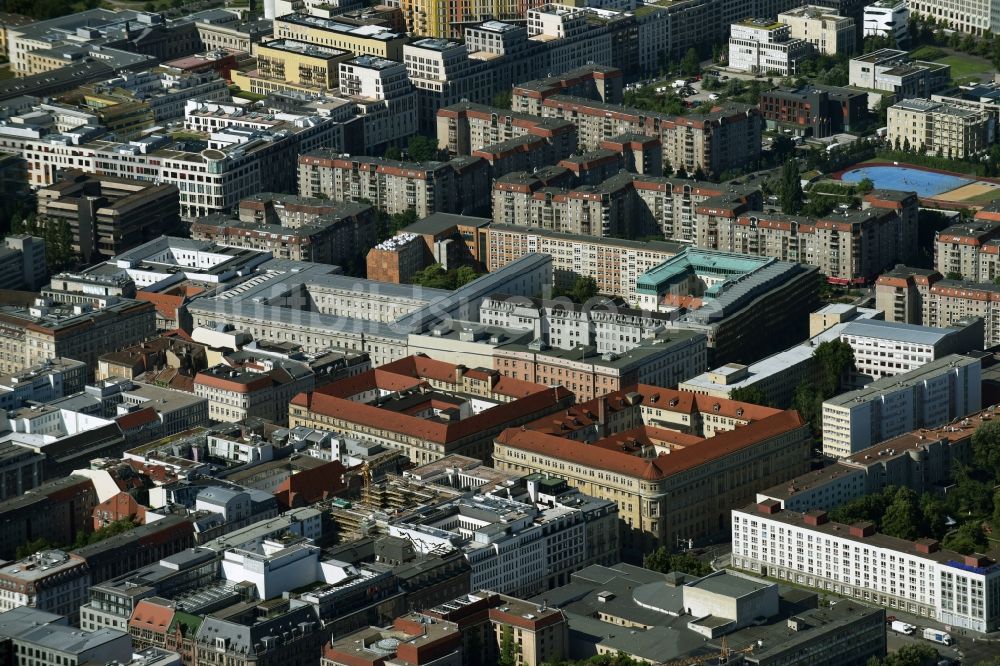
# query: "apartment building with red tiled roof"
[427,408]
[675,462]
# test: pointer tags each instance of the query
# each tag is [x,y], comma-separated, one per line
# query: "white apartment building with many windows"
[930,396]
[247,153]
[384,97]
[972,16]
[855,561]
[886,348]
[517,547]
[887,18]
[764,46]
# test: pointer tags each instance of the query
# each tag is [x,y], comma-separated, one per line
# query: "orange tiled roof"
[137,419]
[605,455]
[151,616]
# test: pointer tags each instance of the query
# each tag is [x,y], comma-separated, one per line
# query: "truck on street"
[902,627]
[938,636]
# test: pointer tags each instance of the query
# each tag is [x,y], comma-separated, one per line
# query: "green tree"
[393,153]
[399,221]
[967,539]
[699,173]
[111,529]
[421,148]
[433,276]
[464,275]
[32,547]
[664,561]
[864,186]
[953,275]
[790,189]
[751,394]
[867,508]
[17,224]
[835,359]
[908,655]
[508,648]
[970,497]
[933,511]
[808,402]
[502,100]
[436,277]
[584,289]
[781,148]
[63,242]
[691,63]
[902,516]
[986,449]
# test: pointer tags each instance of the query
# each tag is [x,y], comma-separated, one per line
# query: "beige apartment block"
[849,247]
[29,336]
[393,186]
[466,127]
[923,296]
[626,205]
[614,263]
[713,142]
[287,64]
[828,32]
[359,40]
[969,250]
[937,128]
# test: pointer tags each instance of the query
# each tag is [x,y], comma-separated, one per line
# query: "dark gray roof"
[246,639]
[437,222]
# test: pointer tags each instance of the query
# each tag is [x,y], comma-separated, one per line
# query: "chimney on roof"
[976,560]
[862,530]
[927,546]
[602,406]
[815,517]
[769,507]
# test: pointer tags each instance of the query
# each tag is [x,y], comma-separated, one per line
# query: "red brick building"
[118,507]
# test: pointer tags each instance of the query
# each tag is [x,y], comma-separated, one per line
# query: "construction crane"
[723,657]
[366,482]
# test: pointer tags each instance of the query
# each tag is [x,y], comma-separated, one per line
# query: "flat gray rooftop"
[729,585]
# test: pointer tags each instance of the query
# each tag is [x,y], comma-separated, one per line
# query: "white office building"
[887,18]
[513,547]
[885,348]
[763,46]
[855,561]
[384,96]
[273,566]
[247,153]
[972,16]
[930,396]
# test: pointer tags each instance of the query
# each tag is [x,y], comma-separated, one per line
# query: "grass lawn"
[963,169]
[984,198]
[964,68]
[187,136]
[246,94]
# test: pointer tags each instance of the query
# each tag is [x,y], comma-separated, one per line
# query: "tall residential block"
[929,396]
